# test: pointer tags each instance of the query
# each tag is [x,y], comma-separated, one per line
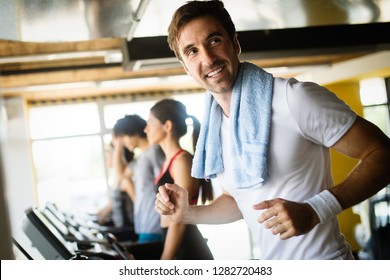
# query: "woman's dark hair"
[127,155]
[176,112]
[195,9]
[130,125]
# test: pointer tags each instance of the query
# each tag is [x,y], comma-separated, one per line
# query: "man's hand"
[172,200]
[287,218]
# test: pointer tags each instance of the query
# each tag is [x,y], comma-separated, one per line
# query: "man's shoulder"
[299,89]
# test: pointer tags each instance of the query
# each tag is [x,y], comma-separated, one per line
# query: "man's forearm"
[370,176]
[366,142]
[222,210]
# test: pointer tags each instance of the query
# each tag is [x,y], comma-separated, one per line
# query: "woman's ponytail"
[196,130]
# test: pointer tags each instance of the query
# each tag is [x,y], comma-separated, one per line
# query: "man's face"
[209,55]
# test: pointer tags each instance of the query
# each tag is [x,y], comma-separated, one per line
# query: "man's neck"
[223,99]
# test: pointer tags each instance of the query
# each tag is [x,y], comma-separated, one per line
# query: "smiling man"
[267,141]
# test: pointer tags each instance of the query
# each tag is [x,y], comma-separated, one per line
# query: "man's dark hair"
[130,125]
[195,9]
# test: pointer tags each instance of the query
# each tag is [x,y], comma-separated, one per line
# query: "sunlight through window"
[70,149]
[373,91]
[63,120]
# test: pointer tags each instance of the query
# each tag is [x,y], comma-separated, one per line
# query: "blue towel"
[250,122]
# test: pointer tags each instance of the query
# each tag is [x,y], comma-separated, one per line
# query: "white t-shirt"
[306,119]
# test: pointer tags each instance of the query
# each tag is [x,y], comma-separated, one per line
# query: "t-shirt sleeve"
[157,159]
[321,116]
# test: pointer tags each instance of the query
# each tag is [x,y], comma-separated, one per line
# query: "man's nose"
[208,57]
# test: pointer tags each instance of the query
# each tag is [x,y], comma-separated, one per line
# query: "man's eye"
[191,52]
[214,41]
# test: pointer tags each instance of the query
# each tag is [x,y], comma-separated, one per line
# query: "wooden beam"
[71,76]
[96,91]
[16,48]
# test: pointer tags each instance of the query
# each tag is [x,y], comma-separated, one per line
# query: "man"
[267,140]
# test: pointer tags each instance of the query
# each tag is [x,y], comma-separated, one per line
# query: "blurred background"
[70,69]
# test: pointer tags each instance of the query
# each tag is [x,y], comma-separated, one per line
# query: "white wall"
[16,163]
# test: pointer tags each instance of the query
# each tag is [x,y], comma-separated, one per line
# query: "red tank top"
[166,177]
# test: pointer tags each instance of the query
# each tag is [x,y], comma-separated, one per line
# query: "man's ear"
[236,45]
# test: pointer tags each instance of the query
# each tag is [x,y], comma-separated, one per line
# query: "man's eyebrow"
[188,47]
[213,34]
[216,33]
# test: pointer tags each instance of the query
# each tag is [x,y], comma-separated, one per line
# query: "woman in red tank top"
[166,125]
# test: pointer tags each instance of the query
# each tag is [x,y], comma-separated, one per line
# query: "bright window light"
[70,173]
[114,112]
[373,91]
[64,120]
[72,168]
[194,103]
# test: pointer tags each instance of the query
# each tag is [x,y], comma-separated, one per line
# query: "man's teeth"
[214,72]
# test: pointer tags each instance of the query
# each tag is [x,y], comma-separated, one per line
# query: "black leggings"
[193,245]
[146,251]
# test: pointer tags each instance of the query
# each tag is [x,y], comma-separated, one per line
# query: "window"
[68,156]
[374,98]
[63,120]
[113,112]
[70,144]
[70,172]
[375,95]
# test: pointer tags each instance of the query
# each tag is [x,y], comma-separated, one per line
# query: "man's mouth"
[215,72]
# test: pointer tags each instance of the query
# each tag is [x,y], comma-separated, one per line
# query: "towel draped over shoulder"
[250,123]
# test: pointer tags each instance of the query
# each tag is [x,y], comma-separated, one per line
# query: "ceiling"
[66,49]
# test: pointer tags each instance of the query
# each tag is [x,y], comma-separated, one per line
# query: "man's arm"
[123,174]
[371,146]
[118,163]
[363,141]
[222,210]
[172,200]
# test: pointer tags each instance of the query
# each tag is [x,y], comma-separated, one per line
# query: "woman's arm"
[180,172]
